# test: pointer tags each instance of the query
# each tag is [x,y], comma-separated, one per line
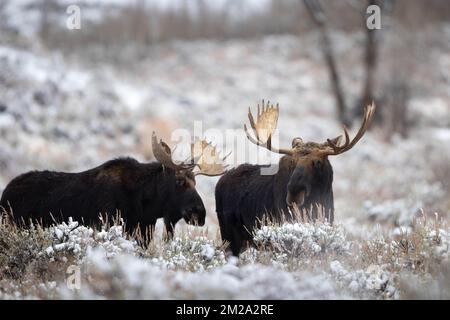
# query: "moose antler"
[163,154]
[209,162]
[264,127]
[334,149]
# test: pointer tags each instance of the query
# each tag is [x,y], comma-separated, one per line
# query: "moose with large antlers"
[140,192]
[302,184]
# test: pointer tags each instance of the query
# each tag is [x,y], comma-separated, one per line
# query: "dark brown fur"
[244,196]
[140,192]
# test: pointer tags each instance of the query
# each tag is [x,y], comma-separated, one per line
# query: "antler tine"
[267,117]
[251,119]
[267,106]
[368,114]
[258,115]
[369,111]
[346,143]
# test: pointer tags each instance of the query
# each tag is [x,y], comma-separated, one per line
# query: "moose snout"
[296,195]
[298,199]
[195,215]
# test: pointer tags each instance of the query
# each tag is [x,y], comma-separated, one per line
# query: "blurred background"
[72,99]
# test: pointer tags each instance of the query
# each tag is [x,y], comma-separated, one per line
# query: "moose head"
[205,161]
[306,165]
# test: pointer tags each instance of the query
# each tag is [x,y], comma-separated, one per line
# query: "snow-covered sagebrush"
[72,238]
[187,267]
[135,278]
[189,254]
[303,239]
[291,261]
[372,282]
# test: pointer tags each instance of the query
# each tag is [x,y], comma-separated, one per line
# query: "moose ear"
[166,148]
[297,142]
[336,140]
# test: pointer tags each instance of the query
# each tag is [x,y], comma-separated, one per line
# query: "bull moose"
[303,182]
[140,192]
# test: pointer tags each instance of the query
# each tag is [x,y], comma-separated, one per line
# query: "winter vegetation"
[70,101]
[290,261]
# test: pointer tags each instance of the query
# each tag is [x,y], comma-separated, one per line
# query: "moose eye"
[317,164]
[179,182]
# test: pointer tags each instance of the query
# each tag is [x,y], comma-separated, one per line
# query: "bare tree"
[140,26]
[370,60]
[373,38]
[44,22]
[318,16]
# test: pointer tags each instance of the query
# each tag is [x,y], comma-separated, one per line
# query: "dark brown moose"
[140,192]
[302,184]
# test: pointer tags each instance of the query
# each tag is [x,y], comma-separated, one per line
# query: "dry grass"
[19,250]
[400,263]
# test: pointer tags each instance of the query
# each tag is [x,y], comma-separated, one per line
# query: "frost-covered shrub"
[21,250]
[127,276]
[303,239]
[30,288]
[414,286]
[75,239]
[280,260]
[419,248]
[292,261]
[45,254]
[188,253]
[372,282]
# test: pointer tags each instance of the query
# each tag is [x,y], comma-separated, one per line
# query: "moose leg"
[169,229]
[236,242]
[329,207]
[315,211]
[331,215]
[231,235]
[226,234]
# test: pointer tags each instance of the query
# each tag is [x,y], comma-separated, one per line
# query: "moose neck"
[162,182]
[286,167]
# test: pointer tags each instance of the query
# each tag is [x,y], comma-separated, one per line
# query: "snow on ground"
[111,265]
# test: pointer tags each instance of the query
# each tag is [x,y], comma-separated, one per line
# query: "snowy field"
[391,239]
[292,261]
